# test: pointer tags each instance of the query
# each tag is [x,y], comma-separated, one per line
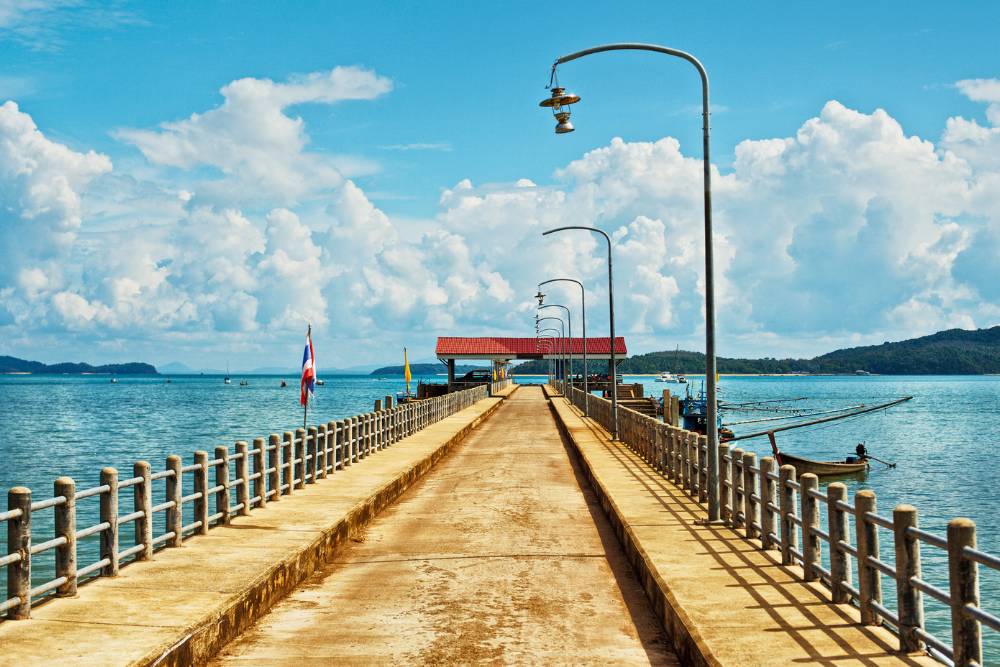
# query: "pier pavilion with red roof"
[501,351]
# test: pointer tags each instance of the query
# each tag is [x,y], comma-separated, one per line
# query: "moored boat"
[821,468]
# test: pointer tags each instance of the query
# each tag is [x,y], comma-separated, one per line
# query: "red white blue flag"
[308,384]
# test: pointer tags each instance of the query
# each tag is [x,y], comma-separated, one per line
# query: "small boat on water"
[320,382]
[852,465]
[114,380]
[670,377]
[284,384]
[244,383]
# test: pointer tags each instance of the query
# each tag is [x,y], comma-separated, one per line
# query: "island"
[13,365]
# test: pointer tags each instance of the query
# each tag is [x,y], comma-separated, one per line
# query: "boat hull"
[821,468]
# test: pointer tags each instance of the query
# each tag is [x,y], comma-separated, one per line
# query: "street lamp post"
[557,348]
[561,350]
[611,324]
[583,312]
[559,101]
[550,344]
[569,333]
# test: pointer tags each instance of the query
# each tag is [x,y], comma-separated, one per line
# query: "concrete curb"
[687,642]
[203,639]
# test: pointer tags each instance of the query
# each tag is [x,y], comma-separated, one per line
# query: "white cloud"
[259,150]
[846,231]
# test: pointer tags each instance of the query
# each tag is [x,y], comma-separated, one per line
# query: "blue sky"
[409,189]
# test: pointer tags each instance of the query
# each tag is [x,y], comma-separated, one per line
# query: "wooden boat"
[818,468]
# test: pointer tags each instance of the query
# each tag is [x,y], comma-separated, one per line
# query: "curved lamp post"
[538,345]
[569,334]
[555,347]
[611,322]
[559,101]
[583,312]
[562,336]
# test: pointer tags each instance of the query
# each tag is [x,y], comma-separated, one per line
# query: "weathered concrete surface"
[494,557]
[723,601]
[181,607]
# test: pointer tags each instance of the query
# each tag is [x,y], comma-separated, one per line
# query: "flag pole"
[305,404]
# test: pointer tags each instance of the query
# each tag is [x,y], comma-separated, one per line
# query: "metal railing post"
[19,542]
[963,579]
[142,501]
[910,601]
[109,514]
[65,526]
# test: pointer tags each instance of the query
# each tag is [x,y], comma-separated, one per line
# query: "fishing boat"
[227,380]
[320,382]
[667,377]
[852,465]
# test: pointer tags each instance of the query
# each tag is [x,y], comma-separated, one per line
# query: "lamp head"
[540,296]
[559,101]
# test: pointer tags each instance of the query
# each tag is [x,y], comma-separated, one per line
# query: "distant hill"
[951,352]
[423,369]
[15,365]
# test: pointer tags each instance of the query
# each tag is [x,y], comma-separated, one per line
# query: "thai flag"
[308,384]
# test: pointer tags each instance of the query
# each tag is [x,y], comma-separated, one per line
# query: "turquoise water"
[943,441]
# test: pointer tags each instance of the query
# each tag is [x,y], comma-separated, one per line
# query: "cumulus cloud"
[257,147]
[847,230]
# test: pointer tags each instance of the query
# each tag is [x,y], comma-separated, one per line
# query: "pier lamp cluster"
[559,101]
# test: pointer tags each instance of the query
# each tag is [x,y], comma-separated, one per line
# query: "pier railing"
[222,485]
[769,506]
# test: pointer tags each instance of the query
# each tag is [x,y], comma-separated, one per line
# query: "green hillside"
[15,365]
[951,352]
[423,369]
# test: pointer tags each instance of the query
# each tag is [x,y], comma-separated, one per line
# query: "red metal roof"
[521,348]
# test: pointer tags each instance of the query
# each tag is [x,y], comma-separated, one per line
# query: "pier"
[494,524]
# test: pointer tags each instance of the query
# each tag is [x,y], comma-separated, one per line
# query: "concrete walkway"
[725,601]
[496,556]
[180,607]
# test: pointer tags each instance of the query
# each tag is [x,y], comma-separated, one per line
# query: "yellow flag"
[494,373]
[406,371]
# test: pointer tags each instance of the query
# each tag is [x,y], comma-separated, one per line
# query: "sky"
[197,181]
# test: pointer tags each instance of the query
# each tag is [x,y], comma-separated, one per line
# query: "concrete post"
[351,433]
[243,475]
[322,450]
[695,470]
[811,549]
[666,407]
[260,470]
[963,579]
[869,577]
[201,488]
[338,444]
[786,500]
[222,479]
[739,515]
[175,514]
[726,511]
[65,526]
[311,458]
[299,471]
[703,468]
[109,515]
[19,542]
[287,463]
[142,501]
[331,447]
[377,425]
[675,410]
[910,601]
[768,500]
[839,530]
[274,468]
[750,510]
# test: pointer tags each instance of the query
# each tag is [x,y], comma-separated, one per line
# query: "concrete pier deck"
[500,555]
[179,608]
[723,601]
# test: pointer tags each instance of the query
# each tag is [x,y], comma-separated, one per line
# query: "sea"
[942,442]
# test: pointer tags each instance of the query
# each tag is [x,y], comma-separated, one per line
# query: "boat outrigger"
[851,465]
